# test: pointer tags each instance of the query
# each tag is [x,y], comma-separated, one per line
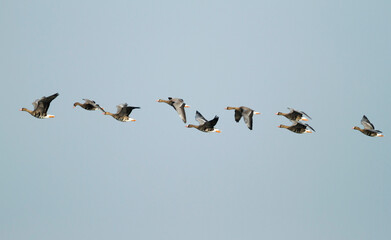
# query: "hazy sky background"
[83,175]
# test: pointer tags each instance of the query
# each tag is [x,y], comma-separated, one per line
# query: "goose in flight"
[295,115]
[123,111]
[89,105]
[41,107]
[205,125]
[298,127]
[178,105]
[246,113]
[369,129]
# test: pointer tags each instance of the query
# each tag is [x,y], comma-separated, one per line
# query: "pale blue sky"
[83,175]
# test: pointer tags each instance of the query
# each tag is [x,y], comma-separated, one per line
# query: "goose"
[298,127]
[123,111]
[295,115]
[246,113]
[89,105]
[369,129]
[205,125]
[178,105]
[41,107]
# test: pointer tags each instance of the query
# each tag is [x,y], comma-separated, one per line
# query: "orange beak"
[187,106]
[133,120]
[257,113]
[52,116]
[304,119]
[218,131]
[381,135]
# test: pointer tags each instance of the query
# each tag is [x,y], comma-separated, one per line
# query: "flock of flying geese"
[41,107]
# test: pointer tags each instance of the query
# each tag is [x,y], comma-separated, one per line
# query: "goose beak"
[51,116]
[308,131]
[132,120]
[304,119]
[257,113]
[380,135]
[187,106]
[217,130]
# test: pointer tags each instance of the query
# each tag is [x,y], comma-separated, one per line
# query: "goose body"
[246,113]
[41,107]
[298,127]
[123,111]
[295,115]
[205,125]
[178,105]
[368,129]
[88,105]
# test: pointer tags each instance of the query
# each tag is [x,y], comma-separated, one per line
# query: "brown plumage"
[298,127]
[41,107]
[178,105]
[246,113]
[123,111]
[89,105]
[294,115]
[205,125]
[369,129]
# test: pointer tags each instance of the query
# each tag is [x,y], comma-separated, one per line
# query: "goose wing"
[247,114]
[35,104]
[179,106]
[212,123]
[238,115]
[366,123]
[42,104]
[88,101]
[121,109]
[305,114]
[93,103]
[129,109]
[310,127]
[291,110]
[200,118]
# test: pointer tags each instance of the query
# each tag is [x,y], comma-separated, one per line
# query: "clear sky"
[83,175]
